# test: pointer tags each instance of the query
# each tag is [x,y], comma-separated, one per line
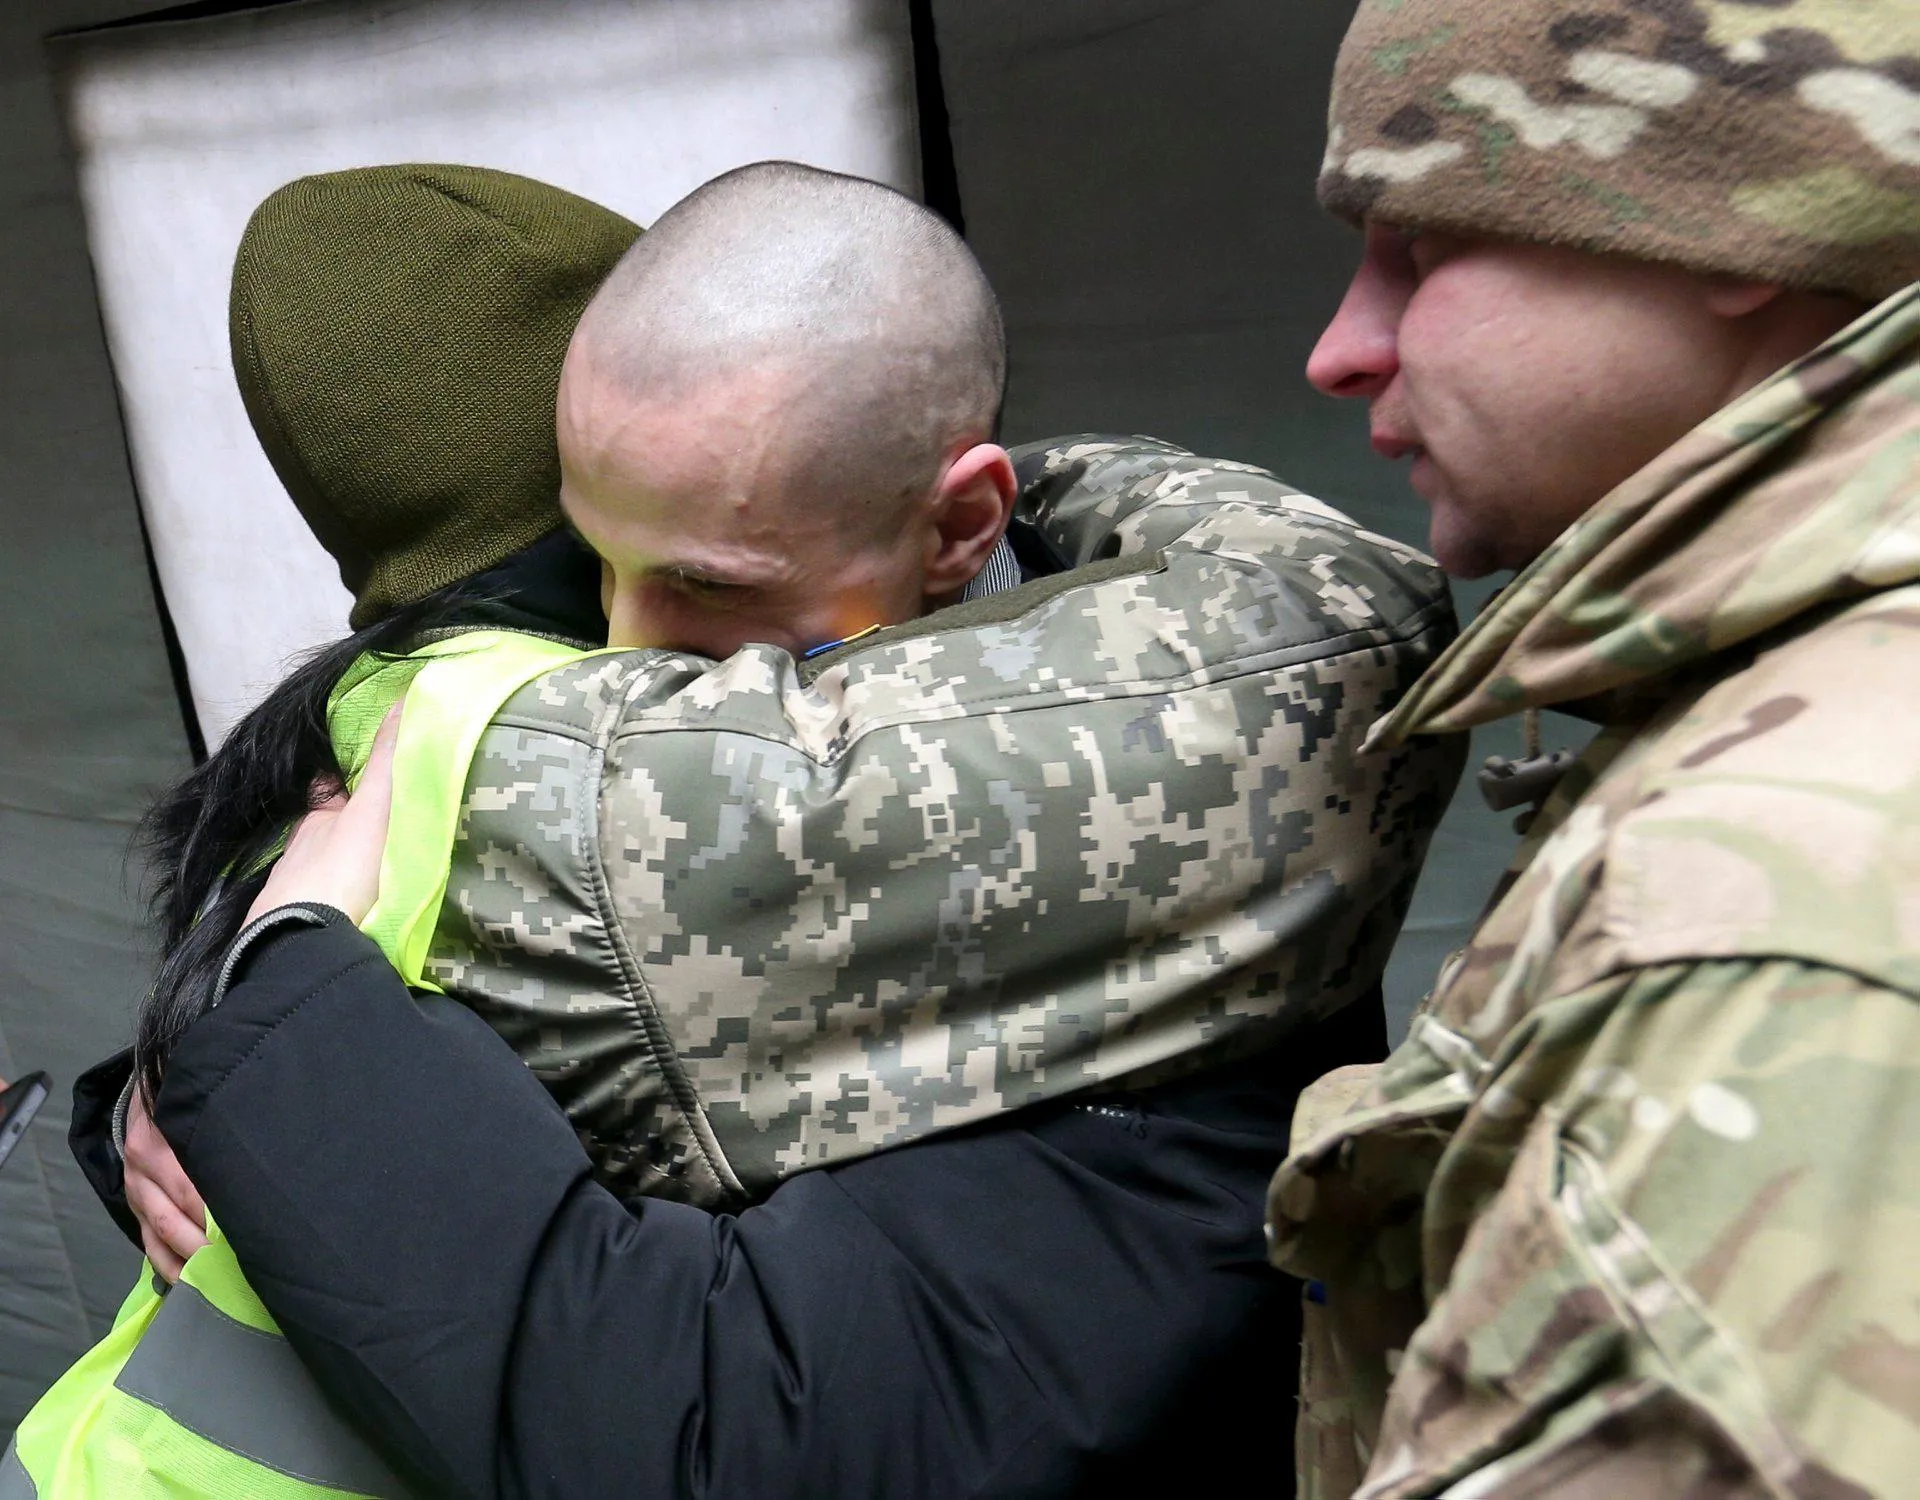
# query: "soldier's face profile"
[1523,381]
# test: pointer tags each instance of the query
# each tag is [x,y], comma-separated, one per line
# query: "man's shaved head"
[871,301]
[777,416]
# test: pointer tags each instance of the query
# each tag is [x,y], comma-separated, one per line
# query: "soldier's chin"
[1461,545]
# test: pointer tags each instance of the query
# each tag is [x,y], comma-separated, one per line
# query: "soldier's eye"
[1391,250]
[1427,251]
[710,592]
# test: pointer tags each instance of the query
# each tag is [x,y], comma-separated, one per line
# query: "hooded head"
[397,336]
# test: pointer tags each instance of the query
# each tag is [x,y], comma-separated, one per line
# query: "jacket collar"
[1802,493]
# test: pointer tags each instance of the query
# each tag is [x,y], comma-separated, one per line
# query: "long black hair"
[209,840]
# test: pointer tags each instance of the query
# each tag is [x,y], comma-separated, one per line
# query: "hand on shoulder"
[333,854]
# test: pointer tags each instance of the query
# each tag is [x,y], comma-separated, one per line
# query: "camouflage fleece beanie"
[397,335]
[1772,139]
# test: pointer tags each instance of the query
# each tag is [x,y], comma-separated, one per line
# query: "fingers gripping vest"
[196,1393]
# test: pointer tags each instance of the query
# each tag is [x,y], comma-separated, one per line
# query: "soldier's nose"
[1359,353]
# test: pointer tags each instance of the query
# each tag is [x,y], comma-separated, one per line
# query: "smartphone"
[20,1101]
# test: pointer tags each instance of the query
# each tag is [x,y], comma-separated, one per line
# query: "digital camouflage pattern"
[1633,1209]
[744,919]
[1772,139]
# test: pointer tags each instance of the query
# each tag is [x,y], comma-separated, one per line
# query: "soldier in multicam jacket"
[1632,1210]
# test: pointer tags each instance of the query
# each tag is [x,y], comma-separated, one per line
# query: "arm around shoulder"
[958,1317]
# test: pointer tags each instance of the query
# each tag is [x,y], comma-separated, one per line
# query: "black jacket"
[1072,1301]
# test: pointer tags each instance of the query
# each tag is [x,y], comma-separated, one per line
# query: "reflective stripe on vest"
[194,1394]
[198,1393]
[244,1389]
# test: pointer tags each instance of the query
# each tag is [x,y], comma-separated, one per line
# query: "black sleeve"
[1075,1303]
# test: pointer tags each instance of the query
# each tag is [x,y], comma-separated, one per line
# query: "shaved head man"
[776,419]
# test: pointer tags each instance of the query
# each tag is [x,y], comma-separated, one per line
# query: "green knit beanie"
[1773,140]
[397,336]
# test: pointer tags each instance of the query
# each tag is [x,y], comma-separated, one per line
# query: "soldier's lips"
[1392,446]
[1424,477]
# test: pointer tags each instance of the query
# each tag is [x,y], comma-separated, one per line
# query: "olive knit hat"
[1776,140]
[397,336]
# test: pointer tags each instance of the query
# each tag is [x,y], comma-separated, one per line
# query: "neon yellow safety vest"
[196,1392]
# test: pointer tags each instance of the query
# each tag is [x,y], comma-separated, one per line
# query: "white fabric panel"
[182,128]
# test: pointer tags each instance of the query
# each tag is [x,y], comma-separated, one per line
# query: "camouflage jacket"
[1634,1208]
[747,918]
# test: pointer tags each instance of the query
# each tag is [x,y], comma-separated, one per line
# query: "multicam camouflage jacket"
[1634,1209]
[747,918]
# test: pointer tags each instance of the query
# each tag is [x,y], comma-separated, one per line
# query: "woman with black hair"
[397,337]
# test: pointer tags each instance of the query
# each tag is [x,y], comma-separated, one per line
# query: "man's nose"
[1358,354]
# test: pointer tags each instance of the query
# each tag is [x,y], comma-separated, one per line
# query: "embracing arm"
[418,1216]
[1062,1299]
[333,857]
[1016,1309]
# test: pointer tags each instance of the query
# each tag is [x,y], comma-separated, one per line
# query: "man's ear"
[972,504]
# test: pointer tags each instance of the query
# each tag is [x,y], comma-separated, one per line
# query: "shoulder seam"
[994,702]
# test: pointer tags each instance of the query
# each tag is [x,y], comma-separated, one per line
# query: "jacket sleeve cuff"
[262,928]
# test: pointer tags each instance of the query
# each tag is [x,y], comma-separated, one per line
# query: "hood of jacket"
[1801,494]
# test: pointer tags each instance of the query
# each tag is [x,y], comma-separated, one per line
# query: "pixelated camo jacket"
[1634,1210]
[748,918]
